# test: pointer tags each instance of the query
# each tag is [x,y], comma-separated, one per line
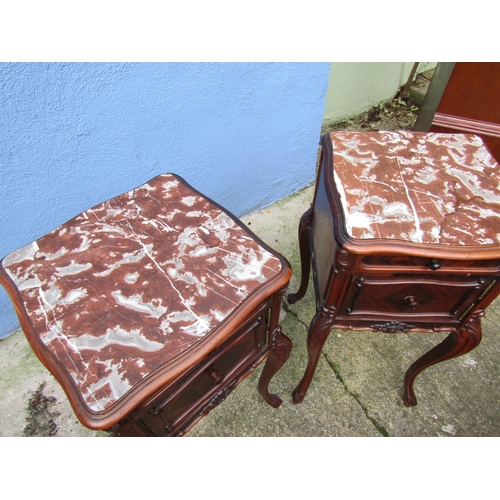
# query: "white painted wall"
[354,87]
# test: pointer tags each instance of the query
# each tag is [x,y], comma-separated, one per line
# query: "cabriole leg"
[456,344]
[318,333]
[281,348]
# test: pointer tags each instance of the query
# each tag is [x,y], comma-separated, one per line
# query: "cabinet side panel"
[324,242]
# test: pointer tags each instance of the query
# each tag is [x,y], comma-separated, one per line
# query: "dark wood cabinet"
[403,236]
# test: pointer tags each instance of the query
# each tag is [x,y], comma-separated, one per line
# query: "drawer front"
[423,297]
[204,386]
[423,264]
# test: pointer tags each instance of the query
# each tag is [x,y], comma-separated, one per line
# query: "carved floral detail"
[342,260]
[392,327]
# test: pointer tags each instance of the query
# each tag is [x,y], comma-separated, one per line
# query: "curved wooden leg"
[319,330]
[457,343]
[305,256]
[281,347]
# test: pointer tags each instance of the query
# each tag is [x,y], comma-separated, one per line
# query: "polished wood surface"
[469,103]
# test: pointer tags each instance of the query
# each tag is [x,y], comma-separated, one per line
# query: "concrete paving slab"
[357,388]
[330,411]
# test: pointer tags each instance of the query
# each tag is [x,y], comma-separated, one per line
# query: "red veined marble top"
[417,186]
[129,284]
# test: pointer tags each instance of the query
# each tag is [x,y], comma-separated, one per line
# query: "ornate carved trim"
[218,397]
[329,310]
[274,337]
[342,261]
[470,332]
[324,318]
[392,327]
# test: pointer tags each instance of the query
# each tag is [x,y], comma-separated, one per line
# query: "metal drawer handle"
[435,265]
[412,303]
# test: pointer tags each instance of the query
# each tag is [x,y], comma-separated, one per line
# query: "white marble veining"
[129,284]
[419,187]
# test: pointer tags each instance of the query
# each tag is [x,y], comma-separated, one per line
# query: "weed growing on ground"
[41,414]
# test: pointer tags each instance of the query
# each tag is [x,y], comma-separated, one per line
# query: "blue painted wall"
[73,135]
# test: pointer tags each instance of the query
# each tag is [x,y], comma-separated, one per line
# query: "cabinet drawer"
[424,264]
[205,385]
[447,297]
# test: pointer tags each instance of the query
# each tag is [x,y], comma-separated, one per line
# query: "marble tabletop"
[131,283]
[421,187]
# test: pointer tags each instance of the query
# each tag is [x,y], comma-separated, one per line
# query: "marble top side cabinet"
[150,308]
[404,236]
